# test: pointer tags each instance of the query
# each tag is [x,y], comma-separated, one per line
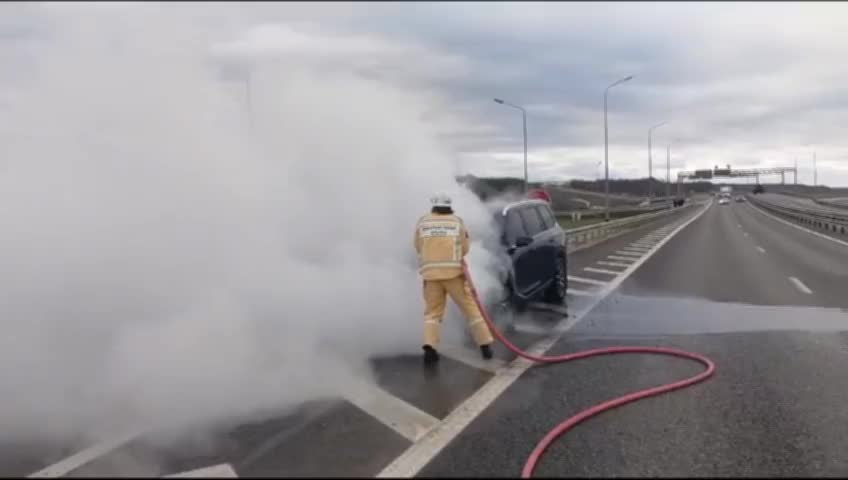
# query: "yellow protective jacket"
[441,241]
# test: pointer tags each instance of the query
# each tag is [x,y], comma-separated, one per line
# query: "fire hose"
[533,459]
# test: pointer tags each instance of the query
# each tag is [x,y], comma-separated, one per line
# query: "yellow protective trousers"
[435,299]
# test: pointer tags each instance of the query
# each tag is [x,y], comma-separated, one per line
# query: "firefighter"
[441,241]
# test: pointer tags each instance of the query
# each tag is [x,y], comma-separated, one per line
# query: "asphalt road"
[357,435]
[721,287]
[799,202]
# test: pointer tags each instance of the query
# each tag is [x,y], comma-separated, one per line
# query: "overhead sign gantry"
[728,172]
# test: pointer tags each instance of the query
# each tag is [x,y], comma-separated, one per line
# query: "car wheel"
[558,289]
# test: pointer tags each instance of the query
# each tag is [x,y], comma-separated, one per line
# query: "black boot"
[431,356]
[486,351]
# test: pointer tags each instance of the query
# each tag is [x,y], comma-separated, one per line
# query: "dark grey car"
[535,244]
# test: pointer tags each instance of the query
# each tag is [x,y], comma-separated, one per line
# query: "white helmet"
[441,199]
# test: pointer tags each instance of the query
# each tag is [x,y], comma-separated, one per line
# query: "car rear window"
[532,221]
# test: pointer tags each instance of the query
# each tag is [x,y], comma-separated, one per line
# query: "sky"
[746,84]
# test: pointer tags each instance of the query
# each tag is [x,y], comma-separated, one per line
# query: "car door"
[521,257]
[539,270]
[553,237]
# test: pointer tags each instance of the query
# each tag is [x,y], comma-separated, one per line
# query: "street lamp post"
[650,161]
[667,171]
[524,122]
[606,148]
[815,170]
[795,172]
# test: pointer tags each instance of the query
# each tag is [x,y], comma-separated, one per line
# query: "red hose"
[533,459]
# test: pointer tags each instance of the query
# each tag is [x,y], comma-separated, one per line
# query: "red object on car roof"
[539,194]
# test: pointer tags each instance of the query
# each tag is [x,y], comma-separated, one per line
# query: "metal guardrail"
[588,213]
[602,230]
[830,221]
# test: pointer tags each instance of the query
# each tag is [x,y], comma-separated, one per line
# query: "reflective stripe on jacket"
[441,242]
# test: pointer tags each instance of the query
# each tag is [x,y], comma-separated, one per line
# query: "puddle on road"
[651,316]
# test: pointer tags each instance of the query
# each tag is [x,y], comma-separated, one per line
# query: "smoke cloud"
[171,255]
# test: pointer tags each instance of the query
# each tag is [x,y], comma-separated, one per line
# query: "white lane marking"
[761,249]
[402,417]
[77,460]
[746,233]
[623,259]
[799,227]
[471,358]
[586,280]
[420,453]
[612,264]
[635,250]
[224,470]
[602,270]
[643,244]
[579,293]
[624,252]
[800,285]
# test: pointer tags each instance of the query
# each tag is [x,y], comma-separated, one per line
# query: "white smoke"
[163,261]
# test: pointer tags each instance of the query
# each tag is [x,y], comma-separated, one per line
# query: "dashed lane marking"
[612,264]
[800,285]
[761,249]
[602,270]
[224,470]
[623,259]
[580,293]
[640,251]
[631,254]
[402,417]
[799,227]
[417,456]
[77,460]
[591,281]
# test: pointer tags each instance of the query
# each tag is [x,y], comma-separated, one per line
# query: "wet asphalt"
[776,406]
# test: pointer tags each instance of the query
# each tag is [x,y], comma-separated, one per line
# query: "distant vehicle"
[759,189]
[723,201]
[534,242]
[678,202]
[740,198]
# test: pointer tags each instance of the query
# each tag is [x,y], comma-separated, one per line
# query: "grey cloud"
[732,79]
